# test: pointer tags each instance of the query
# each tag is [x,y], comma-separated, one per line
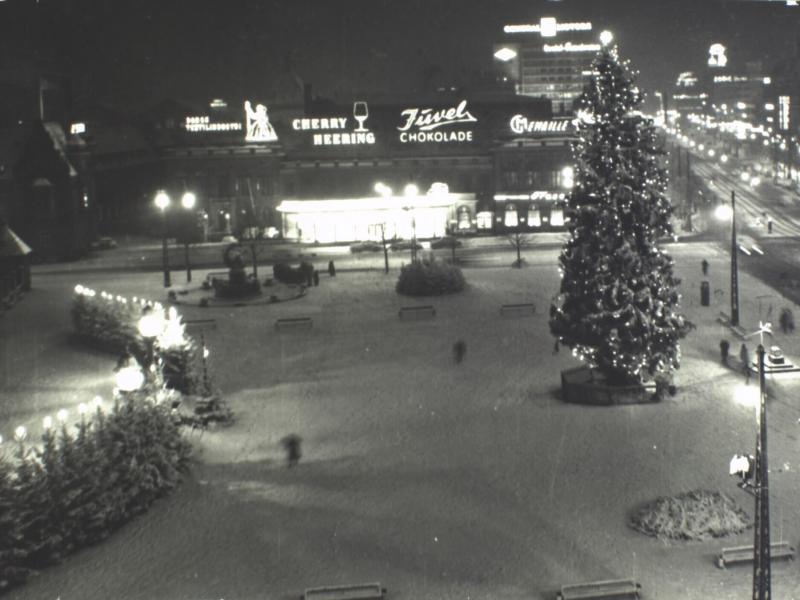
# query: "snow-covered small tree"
[618,304]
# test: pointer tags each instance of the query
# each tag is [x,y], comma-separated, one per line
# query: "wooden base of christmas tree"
[582,385]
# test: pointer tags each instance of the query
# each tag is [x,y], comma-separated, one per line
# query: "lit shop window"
[464,219]
[511,218]
[557,217]
[484,219]
[534,216]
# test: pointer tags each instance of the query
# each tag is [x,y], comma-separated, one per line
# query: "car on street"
[366,246]
[405,245]
[447,241]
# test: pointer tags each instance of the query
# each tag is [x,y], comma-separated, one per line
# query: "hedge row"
[77,488]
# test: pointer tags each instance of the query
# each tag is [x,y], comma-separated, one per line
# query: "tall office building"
[548,59]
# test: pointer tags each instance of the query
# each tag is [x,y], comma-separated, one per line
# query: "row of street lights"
[760,468]
[163,202]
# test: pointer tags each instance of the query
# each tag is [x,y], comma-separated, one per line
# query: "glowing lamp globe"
[162,200]
[188,200]
[606,37]
[411,190]
[723,212]
[747,395]
[130,378]
[151,324]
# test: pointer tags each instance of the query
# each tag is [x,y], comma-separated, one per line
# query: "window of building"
[557,216]
[484,219]
[464,218]
[511,217]
[534,216]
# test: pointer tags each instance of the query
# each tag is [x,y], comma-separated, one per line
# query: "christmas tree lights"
[617,307]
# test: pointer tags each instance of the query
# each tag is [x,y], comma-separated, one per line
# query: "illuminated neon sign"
[784,104]
[520,125]
[420,123]
[337,125]
[716,56]
[537,195]
[570,47]
[202,124]
[259,129]
[548,27]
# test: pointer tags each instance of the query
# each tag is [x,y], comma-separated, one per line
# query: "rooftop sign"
[259,129]
[520,125]
[570,47]
[335,130]
[203,124]
[419,124]
[548,27]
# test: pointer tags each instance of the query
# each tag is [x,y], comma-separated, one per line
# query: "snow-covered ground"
[440,481]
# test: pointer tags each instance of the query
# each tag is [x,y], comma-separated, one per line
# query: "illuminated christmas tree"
[618,305]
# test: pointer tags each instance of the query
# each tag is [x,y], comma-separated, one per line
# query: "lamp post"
[723,212]
[187,201]
[162,202]
[761,565]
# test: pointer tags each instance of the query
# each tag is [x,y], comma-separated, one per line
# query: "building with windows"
[548,59]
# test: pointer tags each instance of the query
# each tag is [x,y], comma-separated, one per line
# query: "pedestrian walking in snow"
[744,355]
[331,269]
[459,351]
[291,444]
[704,266]
[556,347]
[724,347]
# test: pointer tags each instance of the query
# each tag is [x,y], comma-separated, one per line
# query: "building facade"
[548,59]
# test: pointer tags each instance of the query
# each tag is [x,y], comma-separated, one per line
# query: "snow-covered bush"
[429,278]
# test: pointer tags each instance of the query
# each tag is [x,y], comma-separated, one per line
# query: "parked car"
[366,246]
[405,245]
[447,241]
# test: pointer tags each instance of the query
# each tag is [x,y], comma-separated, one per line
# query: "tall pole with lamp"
[162,202]
[761,565]
[187,201]
[724,212]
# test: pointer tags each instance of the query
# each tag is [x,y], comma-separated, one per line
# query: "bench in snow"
[294,323]
[417,312]
[745,554]
[200,323]
[618,588]
[517,310]
[364,591]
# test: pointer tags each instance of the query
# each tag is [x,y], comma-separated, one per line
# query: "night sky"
[137,53]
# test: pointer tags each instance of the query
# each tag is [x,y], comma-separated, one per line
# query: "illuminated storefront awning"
[369,203]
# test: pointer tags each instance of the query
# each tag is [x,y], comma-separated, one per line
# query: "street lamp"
[129,375]
[724,213]
[187,201]
[757,468]
[162,202]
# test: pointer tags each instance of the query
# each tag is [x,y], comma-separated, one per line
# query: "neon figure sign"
[259,129]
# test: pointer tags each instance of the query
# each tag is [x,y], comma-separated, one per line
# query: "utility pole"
[734,265]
